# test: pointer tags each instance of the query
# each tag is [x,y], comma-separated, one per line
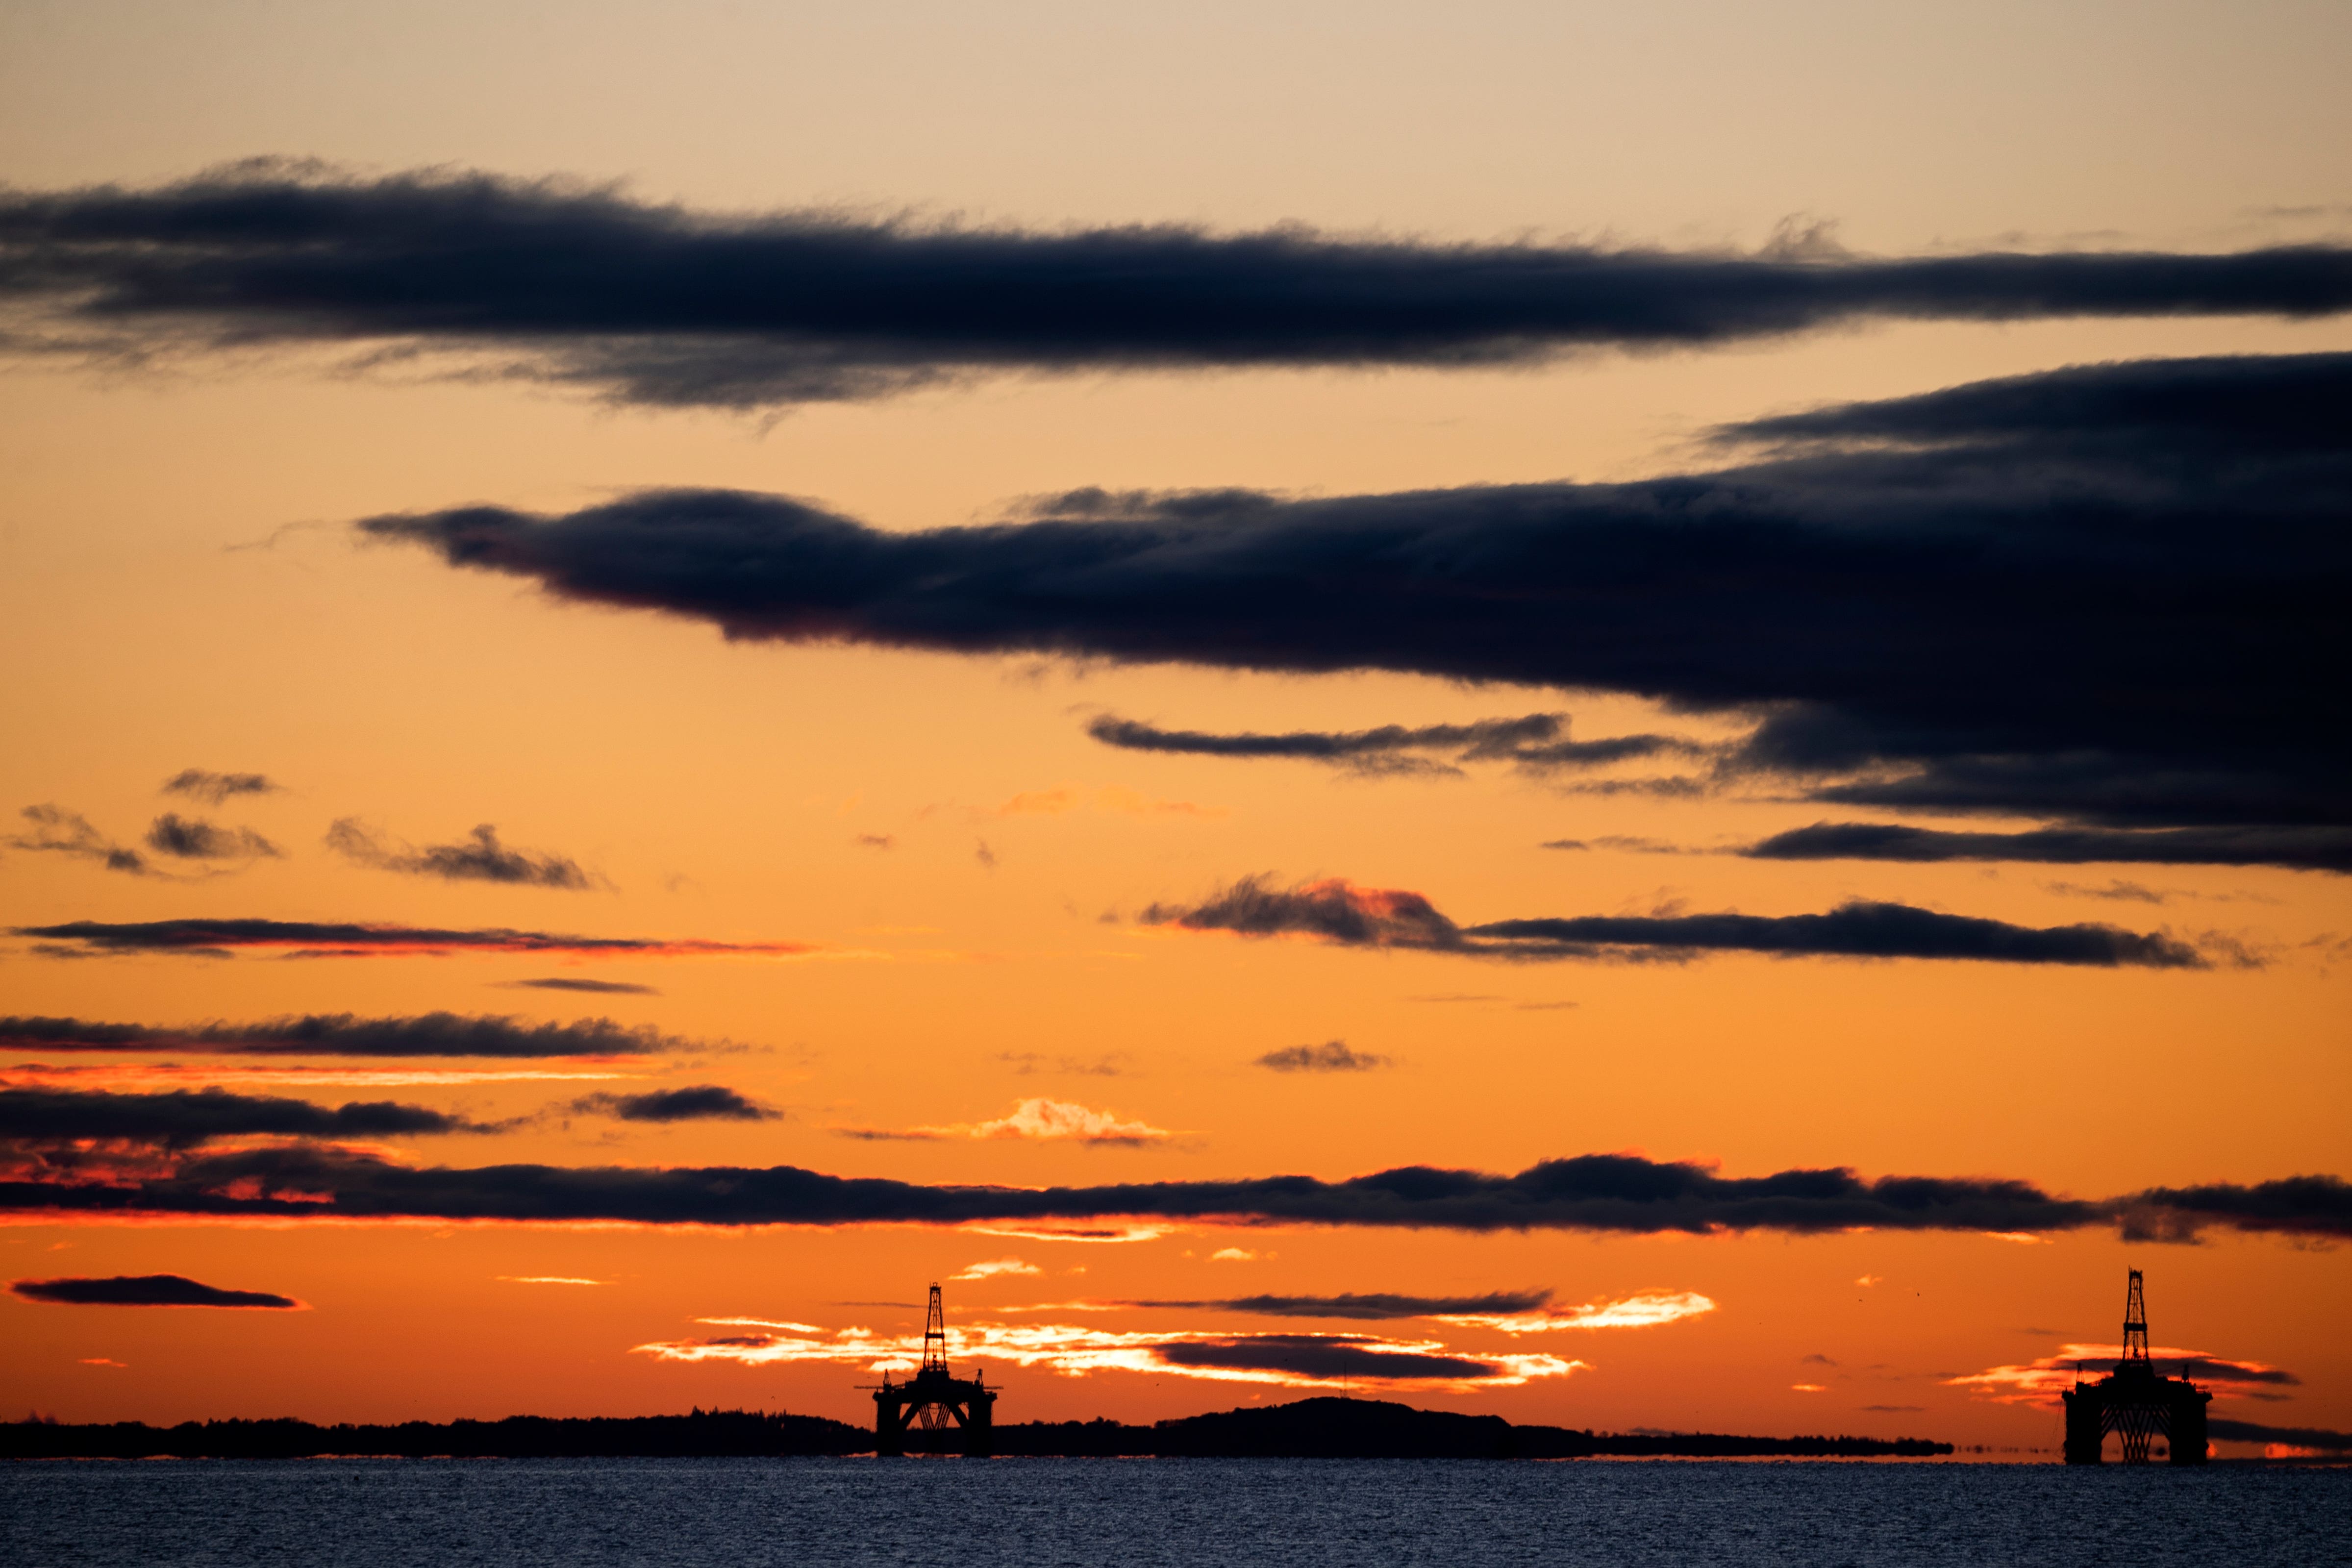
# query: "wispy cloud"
[1372,1306]
[56,831]
[348,1034]
[356,939]
[218,789]
[1650,1309]
[2040,1382]
[1111,1064]
[1339,911]
[1086,1235]
[55,1123]
[1297,1361]
[116,1076]
[479,857]
[1331,1056]
[1537,742]
[192,838]
[1037,1118]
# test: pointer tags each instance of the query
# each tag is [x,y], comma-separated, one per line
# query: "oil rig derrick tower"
[934,1397]
[2134,1403]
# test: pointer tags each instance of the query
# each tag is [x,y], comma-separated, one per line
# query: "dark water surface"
[1293,1512]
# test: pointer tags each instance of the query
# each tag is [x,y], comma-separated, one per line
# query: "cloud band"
[346,1034]
[1343,914]
[663,306]
[355,939]
[1599,1193]
[2109,595]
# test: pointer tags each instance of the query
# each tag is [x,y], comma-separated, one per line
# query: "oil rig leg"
[889,1428]
[2085,1427]
[2188,1432]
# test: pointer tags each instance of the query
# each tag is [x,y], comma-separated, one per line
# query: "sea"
[979,1513]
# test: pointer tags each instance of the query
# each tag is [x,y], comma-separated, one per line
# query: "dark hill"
[1374,1428]
[1329,1428]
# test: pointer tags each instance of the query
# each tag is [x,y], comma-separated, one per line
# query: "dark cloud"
[192,838]
[699,1103]
[2123,611]
[1319,1355]
[481,858]
[2203,1369]
[1854,930]
[2319,1206]
[2205,408]
[353,939]
[2307,848]
[1374,1306]
[1600,1193]
[1331,1056]
[664,306]
[2223,1429]
[346,1034]
[1537,742]
[143,1290]
[1485,736]
[1621,1194]
[1111,1064]
[1339,911]
[216,789]
[57,831]
[1334,909]
[2116,892]
[185,1118]
[595,987]
[60,831]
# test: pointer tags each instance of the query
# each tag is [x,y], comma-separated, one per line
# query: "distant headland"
[1322,1427]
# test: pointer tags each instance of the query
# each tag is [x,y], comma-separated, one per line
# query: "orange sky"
[968,870]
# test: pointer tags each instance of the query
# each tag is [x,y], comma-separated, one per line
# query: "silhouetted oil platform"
[934,1398]
[2134,1403]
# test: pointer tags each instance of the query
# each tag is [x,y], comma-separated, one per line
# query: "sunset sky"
[1635,716]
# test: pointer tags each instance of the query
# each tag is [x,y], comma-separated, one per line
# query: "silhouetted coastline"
[1322,1427]
[704,1434]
